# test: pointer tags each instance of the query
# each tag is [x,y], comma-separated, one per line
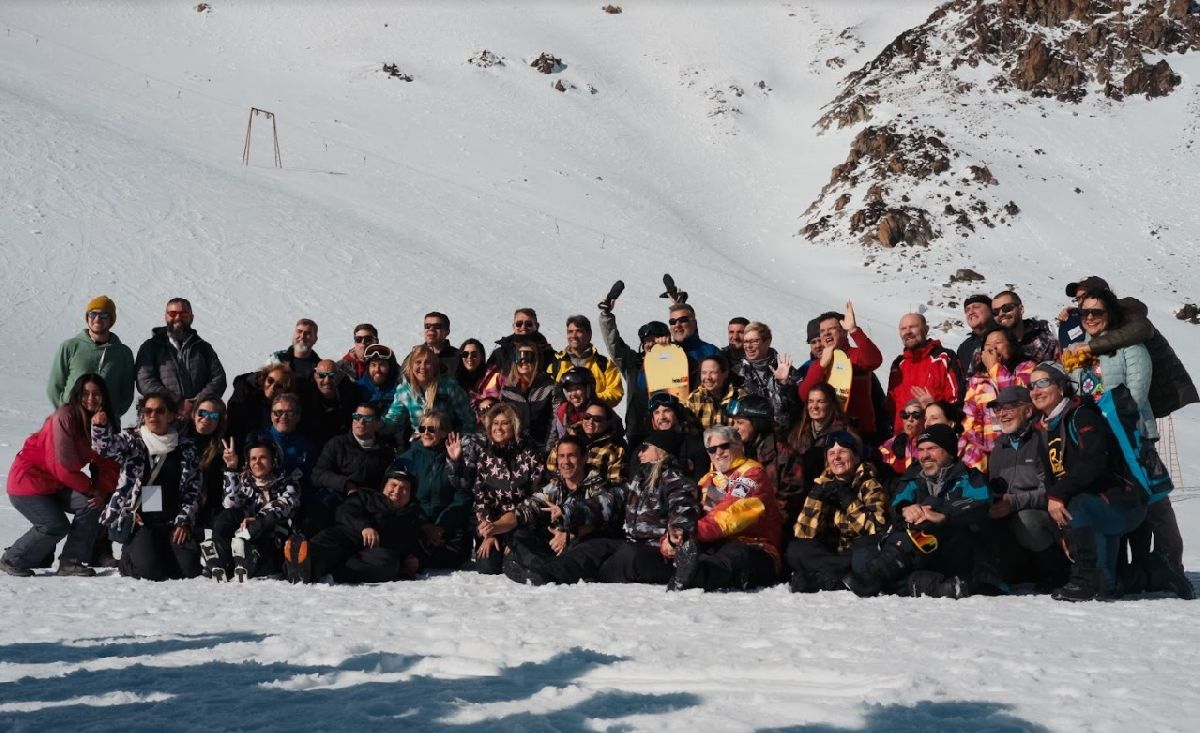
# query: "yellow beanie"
[102,303]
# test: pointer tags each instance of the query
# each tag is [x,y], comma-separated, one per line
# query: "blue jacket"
[698,349]
[959,492]
[381,397]
[297,452]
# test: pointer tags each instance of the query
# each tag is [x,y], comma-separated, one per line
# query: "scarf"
[159,445]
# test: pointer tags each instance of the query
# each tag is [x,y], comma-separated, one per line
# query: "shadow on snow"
[926,716]
[234,696]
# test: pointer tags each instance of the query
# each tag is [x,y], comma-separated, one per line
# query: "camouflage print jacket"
[127,449]
[278,500]
[592,508]
[658,497]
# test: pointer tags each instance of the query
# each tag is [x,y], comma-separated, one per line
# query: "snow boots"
[296,561]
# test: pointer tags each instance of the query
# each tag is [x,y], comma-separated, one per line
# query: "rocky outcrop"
[905,183]
[1064,49]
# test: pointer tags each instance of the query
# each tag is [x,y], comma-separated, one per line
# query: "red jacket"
[865,358]
[931,366]
[740,506]
[53,458]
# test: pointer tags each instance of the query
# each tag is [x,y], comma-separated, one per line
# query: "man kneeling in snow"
[929,549]
[375,538]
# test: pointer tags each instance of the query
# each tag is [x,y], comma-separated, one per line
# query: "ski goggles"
[377,351]
[842,438]
[923,541]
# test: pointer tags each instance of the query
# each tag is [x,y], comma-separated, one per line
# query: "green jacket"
[79,355]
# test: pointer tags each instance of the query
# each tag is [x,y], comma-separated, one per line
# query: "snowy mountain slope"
[477,190]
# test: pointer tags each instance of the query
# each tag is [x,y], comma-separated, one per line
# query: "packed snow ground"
[473,191]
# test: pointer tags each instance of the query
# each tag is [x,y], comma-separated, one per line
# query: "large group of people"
[971,471]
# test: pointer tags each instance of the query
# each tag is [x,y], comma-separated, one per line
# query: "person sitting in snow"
[929,549]
[259,503]
[736,541]
[376,538]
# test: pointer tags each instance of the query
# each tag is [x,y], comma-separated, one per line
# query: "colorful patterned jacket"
[740,506]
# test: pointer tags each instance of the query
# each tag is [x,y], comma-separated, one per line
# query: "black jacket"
[191,372]
[1081,454]
[322,419]
[249,410]
[399,528]
[345,465]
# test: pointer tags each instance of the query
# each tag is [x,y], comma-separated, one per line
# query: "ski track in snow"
[120,128]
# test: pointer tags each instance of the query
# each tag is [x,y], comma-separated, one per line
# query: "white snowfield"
[476,190]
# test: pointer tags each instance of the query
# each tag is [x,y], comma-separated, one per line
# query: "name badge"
[152,499]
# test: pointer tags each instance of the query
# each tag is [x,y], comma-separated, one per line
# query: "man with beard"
[1038,344]
[177,361]
[301,356]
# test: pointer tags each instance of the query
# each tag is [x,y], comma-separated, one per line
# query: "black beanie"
[814,328]
[668,440]
[943,436]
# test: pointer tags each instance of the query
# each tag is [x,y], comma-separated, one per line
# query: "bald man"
[925,370]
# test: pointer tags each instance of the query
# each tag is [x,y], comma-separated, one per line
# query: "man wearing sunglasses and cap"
[1024,539]
[930,550]
[736,541]
[353,460]
[96,349]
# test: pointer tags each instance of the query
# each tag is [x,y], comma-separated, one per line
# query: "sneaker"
[7,566]
[75,569]
[296,565]
[687,565]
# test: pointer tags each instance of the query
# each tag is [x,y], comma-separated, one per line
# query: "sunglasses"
[284,413]
[325,375]
[680,319]
[526,357]
[1042,383]
[101,315]
[428,429]
[359,417]
[270,381]
[524,324]
[644,446]
[368,339]
[712,449]
[593,418]
[1005,407]
[472,354]
[912,414]
[1004,309]
[154,411]
[1092,312]
[213,415]
[178,314]
[435,326]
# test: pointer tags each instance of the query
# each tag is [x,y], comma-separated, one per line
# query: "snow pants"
[339,551]
[151,555]
[48,514]
[262,537]
[607,560]
[734,565]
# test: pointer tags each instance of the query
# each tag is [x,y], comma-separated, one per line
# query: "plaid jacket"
[710,410]
[606,456]
[839,511]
